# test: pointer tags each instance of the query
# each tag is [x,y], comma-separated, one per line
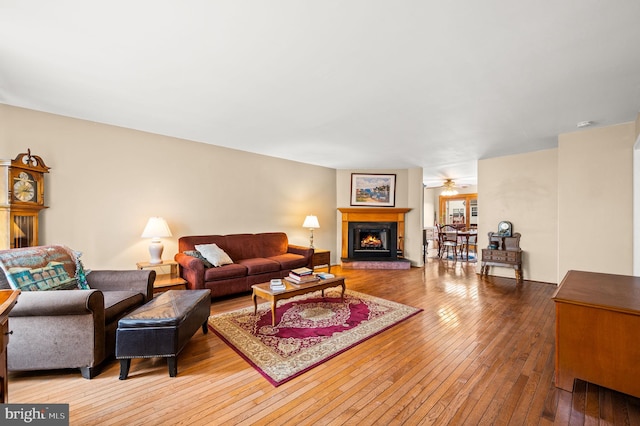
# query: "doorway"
[460,211]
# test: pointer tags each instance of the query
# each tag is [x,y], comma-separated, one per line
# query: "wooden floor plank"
[480,352]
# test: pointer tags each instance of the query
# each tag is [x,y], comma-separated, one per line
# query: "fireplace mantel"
[370,214]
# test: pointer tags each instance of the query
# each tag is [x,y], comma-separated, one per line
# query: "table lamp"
[156,228]
[311,222]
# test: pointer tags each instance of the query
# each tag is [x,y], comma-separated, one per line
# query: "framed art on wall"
[374,190]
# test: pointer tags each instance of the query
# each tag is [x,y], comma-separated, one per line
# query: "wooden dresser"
[597,331]
[8,299]
[508,254]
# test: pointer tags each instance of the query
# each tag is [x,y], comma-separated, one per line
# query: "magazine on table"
[325,275]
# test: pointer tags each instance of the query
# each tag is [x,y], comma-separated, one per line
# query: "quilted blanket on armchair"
[55,267]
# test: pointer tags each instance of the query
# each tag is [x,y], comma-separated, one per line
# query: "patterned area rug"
[309,330]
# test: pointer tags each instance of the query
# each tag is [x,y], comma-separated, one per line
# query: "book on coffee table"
[325,275]
[300,272]
[306,280]
[277,284]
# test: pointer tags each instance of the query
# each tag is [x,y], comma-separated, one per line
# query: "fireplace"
[373,240]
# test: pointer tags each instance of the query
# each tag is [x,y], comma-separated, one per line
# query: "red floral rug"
[309,330]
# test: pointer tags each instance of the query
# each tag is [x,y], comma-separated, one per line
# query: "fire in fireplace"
[373,240]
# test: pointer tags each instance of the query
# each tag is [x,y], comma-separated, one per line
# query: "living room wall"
[595,192]
[522,189]
[106,181]
[564,201]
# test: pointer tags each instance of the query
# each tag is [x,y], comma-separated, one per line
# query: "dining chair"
[448,239]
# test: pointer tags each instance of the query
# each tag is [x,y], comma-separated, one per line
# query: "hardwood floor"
[481,352]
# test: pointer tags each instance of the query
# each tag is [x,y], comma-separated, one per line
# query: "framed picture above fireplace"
[377,190]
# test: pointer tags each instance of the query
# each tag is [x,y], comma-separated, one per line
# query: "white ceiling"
[342,84]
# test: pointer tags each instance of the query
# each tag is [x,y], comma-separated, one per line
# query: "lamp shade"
[311,222]
[156,228]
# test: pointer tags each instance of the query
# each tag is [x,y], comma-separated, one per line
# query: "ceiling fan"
[449,187]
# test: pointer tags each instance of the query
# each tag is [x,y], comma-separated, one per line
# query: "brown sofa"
[73,328]
[257,258]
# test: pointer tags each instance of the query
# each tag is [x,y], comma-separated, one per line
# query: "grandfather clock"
[22,199]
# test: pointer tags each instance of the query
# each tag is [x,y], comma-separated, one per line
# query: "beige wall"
[408,194]
[636,200]
[565,202]
[415,218]
[522,189]
[106,181]
[595,190]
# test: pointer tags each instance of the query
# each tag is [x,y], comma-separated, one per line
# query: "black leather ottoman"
[162,327]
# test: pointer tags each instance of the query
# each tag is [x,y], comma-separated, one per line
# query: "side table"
[321,258]
[165,280]
[507,258]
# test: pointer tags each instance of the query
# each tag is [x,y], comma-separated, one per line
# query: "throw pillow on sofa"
[43,268]
[214,254]
[198,255]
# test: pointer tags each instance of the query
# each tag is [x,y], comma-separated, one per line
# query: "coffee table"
[264,291]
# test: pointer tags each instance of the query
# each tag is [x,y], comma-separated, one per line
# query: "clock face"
[504,228]
[24,187]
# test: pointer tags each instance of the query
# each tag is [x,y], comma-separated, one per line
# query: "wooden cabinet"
[597,323]
[8,299]
[322,258]
[508,254]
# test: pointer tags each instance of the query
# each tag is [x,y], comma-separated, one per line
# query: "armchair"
[74,328]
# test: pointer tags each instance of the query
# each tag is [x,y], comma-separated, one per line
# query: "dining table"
[463,237]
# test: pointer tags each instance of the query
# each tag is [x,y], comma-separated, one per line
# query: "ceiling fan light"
[449,188]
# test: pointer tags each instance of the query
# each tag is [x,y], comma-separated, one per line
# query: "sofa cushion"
[251,246]
[214,254]
[198,255]
[273,244]
[233,270]
[290,260]
[260,265]
[53,267]
[117,303]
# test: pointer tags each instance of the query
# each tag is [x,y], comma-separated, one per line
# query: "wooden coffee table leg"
[342,295]
[273,312]
[255,302]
